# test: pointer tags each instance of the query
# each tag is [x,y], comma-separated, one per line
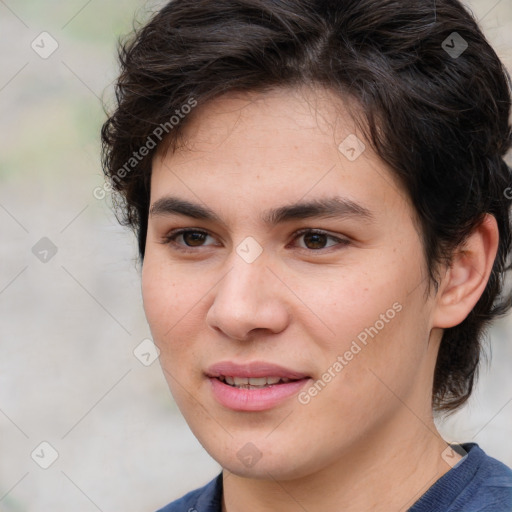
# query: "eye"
[190,237]
[315,239]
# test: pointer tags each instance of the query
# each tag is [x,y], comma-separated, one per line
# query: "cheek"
[157,292]
[344,303]
[175,307]
[388,362]
[375,326]
[167,306]
[167,301]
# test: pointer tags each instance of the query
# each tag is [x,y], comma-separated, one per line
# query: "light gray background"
[68,327]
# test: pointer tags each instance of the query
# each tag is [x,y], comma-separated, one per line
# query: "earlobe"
[466,278]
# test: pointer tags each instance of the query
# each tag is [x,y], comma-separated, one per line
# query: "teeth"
[253,382]
[260,381]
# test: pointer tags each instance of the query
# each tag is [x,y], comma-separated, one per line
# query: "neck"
[384,472]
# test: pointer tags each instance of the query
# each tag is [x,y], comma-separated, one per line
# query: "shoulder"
[477,483]
[204,499]
[491,486]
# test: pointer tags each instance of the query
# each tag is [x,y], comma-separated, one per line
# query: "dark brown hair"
[435,110]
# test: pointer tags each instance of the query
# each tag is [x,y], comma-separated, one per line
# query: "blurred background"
[74,397]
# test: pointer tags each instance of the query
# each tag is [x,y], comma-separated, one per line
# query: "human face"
[354,294]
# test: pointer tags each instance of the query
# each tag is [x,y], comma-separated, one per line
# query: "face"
[274,250]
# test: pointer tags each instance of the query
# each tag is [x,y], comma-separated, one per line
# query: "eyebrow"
[330,207]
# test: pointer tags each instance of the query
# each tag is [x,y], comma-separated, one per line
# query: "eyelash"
[170,239]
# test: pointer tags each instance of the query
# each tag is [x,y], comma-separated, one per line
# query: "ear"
[466,278]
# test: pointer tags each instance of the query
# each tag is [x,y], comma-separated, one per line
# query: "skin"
[367,441]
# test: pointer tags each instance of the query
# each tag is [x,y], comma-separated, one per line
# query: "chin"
[268,471]
[249,462]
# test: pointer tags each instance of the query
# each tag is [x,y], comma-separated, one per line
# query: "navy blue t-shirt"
[477,483]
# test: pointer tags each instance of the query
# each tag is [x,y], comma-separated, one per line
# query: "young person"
[320,198]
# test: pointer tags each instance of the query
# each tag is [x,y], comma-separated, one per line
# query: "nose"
[249,299]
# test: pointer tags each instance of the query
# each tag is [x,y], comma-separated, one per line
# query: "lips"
[255,369]
[256,386]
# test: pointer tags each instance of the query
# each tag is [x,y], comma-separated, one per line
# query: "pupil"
[193,236]
[318,240]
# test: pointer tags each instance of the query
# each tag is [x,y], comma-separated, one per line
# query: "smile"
[252,382]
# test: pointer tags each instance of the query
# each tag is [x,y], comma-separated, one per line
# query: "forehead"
[254,148]
[305,109]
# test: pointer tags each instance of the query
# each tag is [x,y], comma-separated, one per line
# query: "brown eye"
[187,239]
[194,238]
[315,240]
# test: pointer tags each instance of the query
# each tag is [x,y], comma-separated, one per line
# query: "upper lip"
[253,369]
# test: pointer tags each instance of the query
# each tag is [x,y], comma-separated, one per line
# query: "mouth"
[254,386]
[253,382]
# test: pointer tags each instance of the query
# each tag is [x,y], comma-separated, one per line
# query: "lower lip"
[254,399]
